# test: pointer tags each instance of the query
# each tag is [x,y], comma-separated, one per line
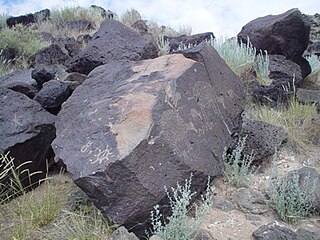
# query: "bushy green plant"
[3,18]
[314,62]
[164,47]
[179,226]
[237,165]
[290,198]
[239,57]
[130,17]
[261,68]
[25,40]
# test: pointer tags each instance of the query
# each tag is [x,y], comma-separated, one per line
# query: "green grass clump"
[179,226]
[296,119]
[261,68]
[25,40]
[130,17]
[291,197]
[237,166]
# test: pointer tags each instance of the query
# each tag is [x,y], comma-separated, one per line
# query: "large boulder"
[285,76]
[148,124]
[284,34]
[27,131]
[112,42]
[30,18]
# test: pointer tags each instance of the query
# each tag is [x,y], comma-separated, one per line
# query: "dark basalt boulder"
[285,34]
[149,124]
[52,95]
[274,231]
[285,76]
[27,131]
[53,54]
[112,42]
[27,19]
[192,40]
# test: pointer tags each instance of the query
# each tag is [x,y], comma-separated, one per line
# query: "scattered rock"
[308,234]
[145,125]
[251,201]
[122,234]
[52,95]
[142,28]
[26,89]
[192,40]
[261,138]
[285,76]
[202,235]
[274,231]
[43,73]
[52,54]
[308,96]
[79,25]
[74,79]
[112,42]
[223,204]
[70,44]
[27,131]
[285,34]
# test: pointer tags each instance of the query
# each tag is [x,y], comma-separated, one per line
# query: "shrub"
[130,17]
[237,165]
[178,226]
[3,19]
[25,40]
[164,47]
[239,57]
[314,62]
[290,198]
[261,68]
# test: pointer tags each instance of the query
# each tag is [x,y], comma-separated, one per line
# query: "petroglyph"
[96,155]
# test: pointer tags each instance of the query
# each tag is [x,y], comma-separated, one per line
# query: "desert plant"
[163,45]
[130,17]
[25,40]
[290,197]
[314,62]
[239,57]
[179,226]
[3,18]
[84,224]
[261,68]
[237,165]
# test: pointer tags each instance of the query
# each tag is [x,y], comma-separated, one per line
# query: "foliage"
[25,40]
[84,224]
[314,62]
[296,119]
[239,57]
[261,68]
[3,18]
[178,226]
[290,197]
[130,17]
[163,45]
[237,165]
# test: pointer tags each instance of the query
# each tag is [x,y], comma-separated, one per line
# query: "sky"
[222,17]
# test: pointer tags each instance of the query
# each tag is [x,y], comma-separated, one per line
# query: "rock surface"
[274,231]
[27,131]
[148,124]
[285,34]
[122,234]
[112,42]
[262,139]
[251,201]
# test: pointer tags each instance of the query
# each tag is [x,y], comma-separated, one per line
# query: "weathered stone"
[262,139]
[202,235]
[314,49]
[148,124]
[52,95]
[285,76]
[79,25]
[112,42]
[74,79]
[192,40]
[52,54]
[251,201]
[26,89]
[27,131]
[308,234]
[284,34]
[309,180]
[308,96]
[70,44]
[274,231]
[122,234]
[43,73]
[142,28]
[84,38]
[223,204]
[314,21]
[28,18]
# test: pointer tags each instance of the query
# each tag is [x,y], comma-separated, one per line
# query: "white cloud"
[220,17]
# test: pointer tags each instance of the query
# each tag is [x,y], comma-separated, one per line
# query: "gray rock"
[70,44]
[274,231]
[74,79]
[251,201]
[148,124]
[285,34]
[27,131]
[223,204]
[52,95]
[122,234]
[53,54]
[202,235]
[285,76]
[308,96]
[79,25]
[262,139]
[308,234]
[43,73]
[112,42]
